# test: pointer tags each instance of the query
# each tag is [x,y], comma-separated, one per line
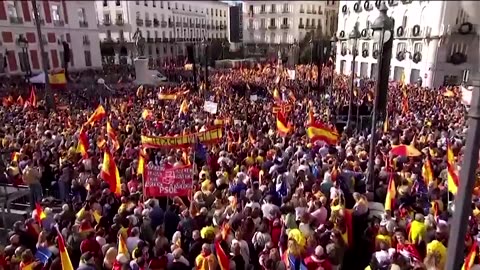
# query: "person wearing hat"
[318,260]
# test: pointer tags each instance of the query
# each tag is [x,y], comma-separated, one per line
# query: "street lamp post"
[354,36]
[23,43]
[205,47]
[333,44]
[50,104]
[311,50]
[294,52]
[383,29]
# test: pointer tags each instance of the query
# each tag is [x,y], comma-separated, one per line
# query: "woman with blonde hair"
[110,257]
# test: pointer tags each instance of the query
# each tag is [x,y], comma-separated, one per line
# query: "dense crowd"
[259,199]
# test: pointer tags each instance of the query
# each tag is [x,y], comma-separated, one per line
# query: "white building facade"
[434,41]
[167,27]
[277,23]
[71,21]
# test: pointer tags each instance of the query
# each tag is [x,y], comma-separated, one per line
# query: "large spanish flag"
[110,172]
[391,194]
[470,259]
[40,214]
[112,136]
[97,115]
[82,146]
[283,127]
[223,260]
[64,258]
[320,132]
[453,179]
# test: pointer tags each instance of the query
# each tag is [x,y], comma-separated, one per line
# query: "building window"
[313,23]
[105,3]
[117,3]
[176,5]
[320,12]
[308,23]
[301,8]
[301,21]
[375,46]
[365,46]
[272,22]
[154,4]
[145,3]
[274,7]
[404,22]
[161,4]
[137,2]
[262,8]
[88,58]
[168,4]
[401,47]
[147,16]
[71,58]
[183,6]
[285,21]
[106,18]
[137,15]
[56,12]
[418,47]
[262,23]
[82,16]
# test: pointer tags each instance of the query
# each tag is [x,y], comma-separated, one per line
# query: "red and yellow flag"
[82,146]
[311,117]
[223,260]
[15,156]
[142,157]
[427,171]
[283,127]
[40,214]
[33,98]
[112,136]
[20,101]
[64,258]
[110,172]
[320,132]
[147,114]
[122,245]
[453,179]
[97,115]
[470,259]
[391,194]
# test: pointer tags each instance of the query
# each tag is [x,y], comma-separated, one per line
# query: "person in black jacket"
[195,247]
[178,263]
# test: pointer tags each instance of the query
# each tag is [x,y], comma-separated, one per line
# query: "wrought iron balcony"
[16,20]
[156,23]
[86,42]
[302,10]
[59,23]
[139,22]
[163,24]
[272,27]
[119,22]
[148,23]
[284,26]
[150,40]
[83,24]
[107,22]
[301,26]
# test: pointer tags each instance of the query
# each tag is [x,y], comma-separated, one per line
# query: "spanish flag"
[453,180]
[122,245]
[320,132]
[183,107]
[40,214]
[385,123]
[33,98]
[311,117]
[15,156]
[223,260]
[470,259]
[64,258]
[20,101]
[283,127]
[82,146]
[110,172]
[28,266]
[142,156]
[97,115]
[146,114]
[391,194]
[427,171]
[276,95]
[112,136]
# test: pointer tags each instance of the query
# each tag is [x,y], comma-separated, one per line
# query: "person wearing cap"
[318,260]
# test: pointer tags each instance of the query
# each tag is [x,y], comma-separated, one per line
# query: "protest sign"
[205,137]
[210,107]
[162,182]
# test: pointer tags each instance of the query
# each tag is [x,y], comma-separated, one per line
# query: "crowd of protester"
[259,200]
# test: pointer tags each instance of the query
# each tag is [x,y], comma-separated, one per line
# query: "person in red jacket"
[318,260]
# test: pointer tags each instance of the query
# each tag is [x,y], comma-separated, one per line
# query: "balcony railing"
[170,24]
[192,25]
[139,22]
[163,24]
[150,40]
[273,11]
[284,26]
[217,27]
[58,23]
[148,23]
[83,24]
[309,11]
[156,23]
[86,42]
[301,26]
[302,10]
[107,22]
[197,25]
[314,12]
[250,27]
[16,20]
[158,40]
[285,11]
[185,24]
[272,27]
[263,12]
[262,27]
[208,26]
[108,39]
[178,24]
[204,25]
[223,27]
[119,22]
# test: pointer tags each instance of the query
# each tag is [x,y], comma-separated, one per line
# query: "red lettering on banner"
[162,182]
